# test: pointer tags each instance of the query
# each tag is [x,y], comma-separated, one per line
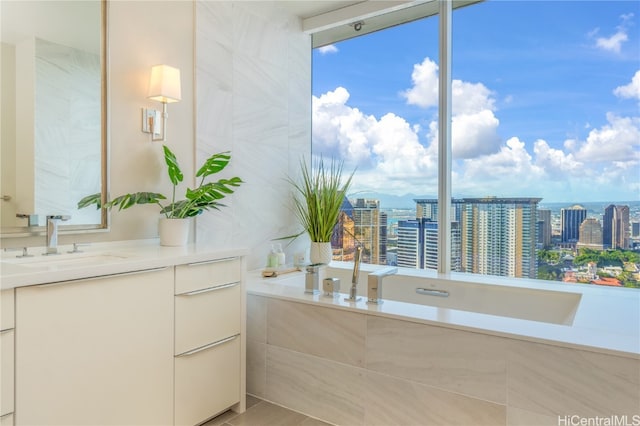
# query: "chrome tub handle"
[432,292]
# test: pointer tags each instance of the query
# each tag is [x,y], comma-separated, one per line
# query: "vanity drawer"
[7,304]
[206,316]
[207,381]
[196,276]
[6,371]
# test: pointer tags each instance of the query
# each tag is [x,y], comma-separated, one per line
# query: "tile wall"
[349,368]
[253,91]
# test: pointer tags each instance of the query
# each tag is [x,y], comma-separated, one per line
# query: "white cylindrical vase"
[174,232]
[320,253]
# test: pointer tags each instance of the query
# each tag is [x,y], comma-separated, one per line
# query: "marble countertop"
[606,321]
[100,259]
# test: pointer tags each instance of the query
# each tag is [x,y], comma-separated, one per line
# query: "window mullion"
[444,138]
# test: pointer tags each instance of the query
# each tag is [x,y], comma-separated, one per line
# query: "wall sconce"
[164,86]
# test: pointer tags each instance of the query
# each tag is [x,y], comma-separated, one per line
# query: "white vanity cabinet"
[96,351]
[209,339]
[7,336]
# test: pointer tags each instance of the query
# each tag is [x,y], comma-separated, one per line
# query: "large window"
[545,140]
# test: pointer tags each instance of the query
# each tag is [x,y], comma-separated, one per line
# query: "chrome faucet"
[32,219]
[353,291]
[312,279]
[52,232]
[374,284]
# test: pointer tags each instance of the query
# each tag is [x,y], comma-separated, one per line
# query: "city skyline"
[502,236]
[553,112]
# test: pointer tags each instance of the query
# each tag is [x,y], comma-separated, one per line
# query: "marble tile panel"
[328,333]
[468,363]
[214,111]
[261,82]
[216,226]
[320,388]
[559,381]
[214,22]
[261,121]
[221,419]
[256,368]
[520,417]
[265,413]
[393,401]
[256,318]
[264,164]
[260,31]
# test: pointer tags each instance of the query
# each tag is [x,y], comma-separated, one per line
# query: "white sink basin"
[73,259]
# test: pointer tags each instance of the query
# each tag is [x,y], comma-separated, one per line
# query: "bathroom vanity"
[123,334]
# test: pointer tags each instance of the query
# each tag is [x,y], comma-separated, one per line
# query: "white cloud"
[474,125]
[330,48]
[474,134]
[386,151]
[397,157]
[631,90]
[616,141]
[614,42]
[424,92]
[556,162]
[470,98]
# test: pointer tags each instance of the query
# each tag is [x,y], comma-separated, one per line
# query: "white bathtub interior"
[550,306]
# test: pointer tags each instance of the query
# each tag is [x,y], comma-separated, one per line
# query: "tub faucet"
[353,291]
[374,284]
[32,219]
[52,232]
[312,279]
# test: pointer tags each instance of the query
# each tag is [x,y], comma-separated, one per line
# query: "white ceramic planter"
[174,232]
[320,253]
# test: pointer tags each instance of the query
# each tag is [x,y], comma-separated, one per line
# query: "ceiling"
[308,8]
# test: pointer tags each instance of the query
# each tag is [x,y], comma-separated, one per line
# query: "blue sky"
[546,102]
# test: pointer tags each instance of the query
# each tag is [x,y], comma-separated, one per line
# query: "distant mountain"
[388,201]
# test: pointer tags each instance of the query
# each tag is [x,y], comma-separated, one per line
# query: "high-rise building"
[590,234]
[343,237]
[635,229]
[615,227]
[497,235]
[370,230]
[409,243]
[543,229]
[570,220]
[418,243]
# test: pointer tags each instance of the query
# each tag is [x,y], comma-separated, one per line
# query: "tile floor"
[263,413]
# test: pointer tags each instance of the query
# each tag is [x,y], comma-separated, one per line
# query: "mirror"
[53,119]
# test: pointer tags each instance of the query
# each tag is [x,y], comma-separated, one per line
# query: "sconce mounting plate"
[151,121]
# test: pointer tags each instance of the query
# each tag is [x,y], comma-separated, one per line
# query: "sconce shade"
[164,84]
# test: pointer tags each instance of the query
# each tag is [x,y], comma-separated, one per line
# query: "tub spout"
[353,291]
[312,279]
[374,284]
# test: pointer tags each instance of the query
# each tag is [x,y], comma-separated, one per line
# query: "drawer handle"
[207,290]
[99,277]
[6,330]
[209,346]
[206,262]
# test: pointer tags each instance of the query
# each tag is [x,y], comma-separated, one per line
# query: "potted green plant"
[174,224]
[317,202]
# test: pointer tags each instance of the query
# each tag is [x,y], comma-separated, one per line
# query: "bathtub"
[587,316]
[488,349]
[550,306]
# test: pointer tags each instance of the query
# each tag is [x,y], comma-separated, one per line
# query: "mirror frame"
[103,226]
